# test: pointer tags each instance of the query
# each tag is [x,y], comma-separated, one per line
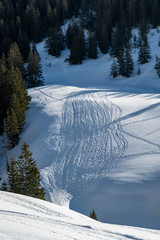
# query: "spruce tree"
[13,176]
[159,42]
[4,186]
[23,43]
[128,61]
[116,42]
[5,45]
[15,58]
[135,45]
[12,128]
[3,62]
[34,70]
[138,71]
[144,52]
[14,102]
[121,63]
[157,66]
[55,43]
[114,69]
[78,48]
[93,215]
[69,36]
[28,174]
[92,46]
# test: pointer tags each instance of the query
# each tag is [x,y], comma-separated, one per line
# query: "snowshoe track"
[91,142]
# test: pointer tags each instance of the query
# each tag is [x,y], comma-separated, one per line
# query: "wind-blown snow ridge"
[26,218]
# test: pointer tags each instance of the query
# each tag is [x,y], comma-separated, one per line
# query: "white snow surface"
[83,126]
[26,218]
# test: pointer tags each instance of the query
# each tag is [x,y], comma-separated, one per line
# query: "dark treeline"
[22,21]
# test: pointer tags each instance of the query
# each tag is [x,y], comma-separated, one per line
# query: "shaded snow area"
[25,218]
[96,140]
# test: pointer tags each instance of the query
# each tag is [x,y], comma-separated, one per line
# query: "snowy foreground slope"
[25,218]
[91,135]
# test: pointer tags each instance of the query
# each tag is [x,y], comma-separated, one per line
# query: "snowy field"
[96,139]
[25,218]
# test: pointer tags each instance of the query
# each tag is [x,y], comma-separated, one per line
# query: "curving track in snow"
[90,142]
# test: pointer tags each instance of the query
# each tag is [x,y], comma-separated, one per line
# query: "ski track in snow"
[90,144]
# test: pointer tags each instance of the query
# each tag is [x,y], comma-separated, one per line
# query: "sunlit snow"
[85,127]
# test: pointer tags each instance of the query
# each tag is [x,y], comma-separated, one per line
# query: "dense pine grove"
[22,21]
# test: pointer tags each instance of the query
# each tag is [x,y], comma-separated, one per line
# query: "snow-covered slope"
[25,218]
[85,128]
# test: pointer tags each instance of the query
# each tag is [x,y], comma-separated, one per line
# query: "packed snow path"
[90,142]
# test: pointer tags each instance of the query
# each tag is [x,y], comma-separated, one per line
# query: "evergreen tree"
[128,61]
[28,174]
[78,48]
[69,36]
[3,62]
[15,58]
[4,186]
[121,63]
[93,215]
[13,176]
[144,52]
[157,66]
[135,45]
[23,43]
[104,25]
[92,46]
[32,20]
[34,70]
[5,45]
[114,69]
[14,102]
[159,42]
[138,71]
[55,43]
[12,128]
[116,42]
[113,48]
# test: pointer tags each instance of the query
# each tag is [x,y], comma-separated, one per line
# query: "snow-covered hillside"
[25,218]
[86,129]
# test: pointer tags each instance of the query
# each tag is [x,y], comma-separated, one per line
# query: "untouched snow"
[25,218]
[85,128]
